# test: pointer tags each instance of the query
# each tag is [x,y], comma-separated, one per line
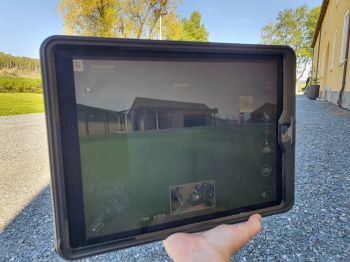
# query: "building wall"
[331,78]
[167,118]
[95,121]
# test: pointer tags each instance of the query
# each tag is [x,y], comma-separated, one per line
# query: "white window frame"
[333,49]
[344,37]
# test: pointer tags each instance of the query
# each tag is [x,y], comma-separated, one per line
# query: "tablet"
[148,138]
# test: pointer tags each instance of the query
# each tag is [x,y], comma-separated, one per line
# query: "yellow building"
[331,52]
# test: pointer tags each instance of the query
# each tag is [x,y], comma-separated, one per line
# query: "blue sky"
[25,24]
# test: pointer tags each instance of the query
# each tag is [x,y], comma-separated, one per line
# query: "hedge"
[16,84]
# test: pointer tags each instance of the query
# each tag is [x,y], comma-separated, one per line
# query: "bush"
[15,84]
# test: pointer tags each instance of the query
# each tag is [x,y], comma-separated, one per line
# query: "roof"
[96,110]
[267,107]
[320,21]
[141,102]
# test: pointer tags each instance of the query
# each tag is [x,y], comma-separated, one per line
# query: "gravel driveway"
[316,229]
[24,169]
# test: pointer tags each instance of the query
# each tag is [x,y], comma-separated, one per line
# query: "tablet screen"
[163,142]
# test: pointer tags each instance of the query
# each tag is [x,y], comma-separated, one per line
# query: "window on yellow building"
[344,37]
[333,48]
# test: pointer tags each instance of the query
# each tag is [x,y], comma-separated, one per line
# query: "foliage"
[300,86]
[293,27]
[114,18]
[130,19]
[315,81]
[173,28]
[15,84]
[193,28]
[22,103]
[19,62]
[311,22]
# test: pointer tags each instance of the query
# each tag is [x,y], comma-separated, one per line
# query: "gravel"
[316,229]
[24,169]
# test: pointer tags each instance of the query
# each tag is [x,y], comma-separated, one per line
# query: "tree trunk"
[298,78]
[139,34]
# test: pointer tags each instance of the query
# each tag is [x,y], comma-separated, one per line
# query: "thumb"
[230,238]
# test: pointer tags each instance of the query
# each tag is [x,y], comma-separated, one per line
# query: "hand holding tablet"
[148,138]
[217,244]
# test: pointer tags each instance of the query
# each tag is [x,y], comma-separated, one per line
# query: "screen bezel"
[63,100]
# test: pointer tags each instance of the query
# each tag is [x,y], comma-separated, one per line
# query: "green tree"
[293,27]
[173,27]
[194,29]
[18,62]
[191,29]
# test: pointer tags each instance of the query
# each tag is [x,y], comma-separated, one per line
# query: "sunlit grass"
[20,103]
[299,89]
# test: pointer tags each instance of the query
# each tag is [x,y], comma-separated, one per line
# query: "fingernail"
[258,216]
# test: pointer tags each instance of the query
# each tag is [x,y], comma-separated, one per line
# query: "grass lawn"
[127,176]
[298,89]
[20,103]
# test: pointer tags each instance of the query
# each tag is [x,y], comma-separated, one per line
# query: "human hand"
[217,244]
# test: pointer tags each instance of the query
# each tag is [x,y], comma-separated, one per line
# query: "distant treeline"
[16,84]
[19,62]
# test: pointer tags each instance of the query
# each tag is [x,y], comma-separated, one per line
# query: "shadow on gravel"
[29,237]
